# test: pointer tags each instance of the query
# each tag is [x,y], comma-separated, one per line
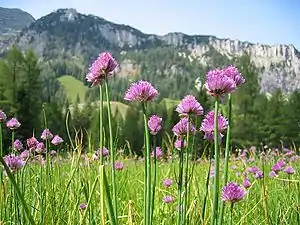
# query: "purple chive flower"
[103,66]
[272,174]
[18,146]
[40,148]
[158,152]
[178,144]
[57,140]
[32,143]
[82,206]
[289,170]
[154,124]
[233,73]
[13,124]
[53,153]
[105,152]
[218,84]
[281,163]
[232,193]
[119,166]
[189,105]
[246,183]
[167,182]
[2,116]
[168,199]
[141,91]
[276,168]
[13,162]
[208,123]
[25,154]
[180,129]
[46,134]
[258,175]
[253,169]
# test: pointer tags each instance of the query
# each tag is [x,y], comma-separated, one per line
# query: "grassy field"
[73,87]
[56,199]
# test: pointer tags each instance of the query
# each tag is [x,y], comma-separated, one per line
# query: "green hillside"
[73,87]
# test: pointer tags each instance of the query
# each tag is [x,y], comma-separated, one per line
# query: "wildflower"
[57,140]
[178,144]
[46,134]
[234,167]
[82,206]
[168,199]
[208,123]
[25,154]
[13,162]
[105,152]
[18,146]
[180,129]
[103,66]
[53,153]
[167,182]
[281,163]
[154,124]
[233,73]
[258,175]
[141,91]
[189,105]
[13,124]
[218,84]
[276,168]
[246,183]
[253,169]
[158,152]
[272,174]
[289,170]
[232,193]
[40,148]
[119,166]
[2,116]
[32,143]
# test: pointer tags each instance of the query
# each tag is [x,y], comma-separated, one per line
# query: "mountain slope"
[68,35]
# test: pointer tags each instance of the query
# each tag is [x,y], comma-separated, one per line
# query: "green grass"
[73,87]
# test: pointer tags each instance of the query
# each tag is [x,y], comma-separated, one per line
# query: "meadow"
[46,181]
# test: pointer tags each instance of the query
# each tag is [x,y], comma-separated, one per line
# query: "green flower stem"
[111,147]
[101,123]
[18,192]
[110,211]
[12,140]
[227,155]
[148,165]
[214,217]
[231,213]
[1,143]
[206,191]
[154,180]
[180,178]
[100,150]
[186,179]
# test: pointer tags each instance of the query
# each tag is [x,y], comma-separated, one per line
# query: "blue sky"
[257,21]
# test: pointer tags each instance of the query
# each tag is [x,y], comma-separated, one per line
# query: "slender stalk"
[12,140]
[186,179]
[231,213]
[206,192]
[110,210]
[111,147]
[180,178]
[154,180]
[1,143]
[18,192]
[214,217]
[227,155]
[148,169]
[101,152]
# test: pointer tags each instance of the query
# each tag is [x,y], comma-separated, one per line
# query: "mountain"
[12,21]
[172,58]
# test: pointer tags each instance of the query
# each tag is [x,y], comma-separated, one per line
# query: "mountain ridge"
[69,33]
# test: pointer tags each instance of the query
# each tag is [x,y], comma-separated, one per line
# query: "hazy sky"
[263,21]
